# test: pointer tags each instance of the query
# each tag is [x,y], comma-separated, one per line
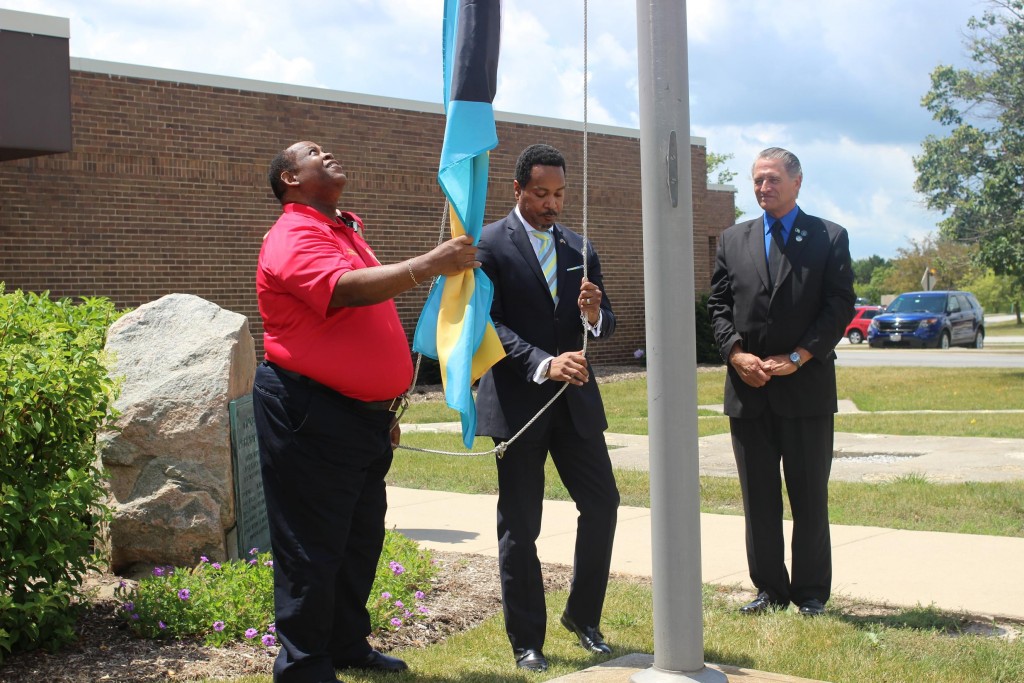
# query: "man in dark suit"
[781,298]
[540,300]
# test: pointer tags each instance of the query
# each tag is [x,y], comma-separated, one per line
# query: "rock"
[180,360]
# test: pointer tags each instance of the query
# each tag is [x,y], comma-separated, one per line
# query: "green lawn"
[909,503]
[904,646]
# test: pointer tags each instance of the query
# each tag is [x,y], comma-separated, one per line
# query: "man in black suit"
[540,299]
[781,298]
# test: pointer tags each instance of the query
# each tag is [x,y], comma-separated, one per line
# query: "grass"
[917,644]
[907,503]
[1009,328]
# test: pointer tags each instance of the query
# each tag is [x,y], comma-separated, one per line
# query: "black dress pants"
[804,445]
[585,469]
[323,463]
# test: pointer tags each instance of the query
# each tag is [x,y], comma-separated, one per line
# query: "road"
[864,356]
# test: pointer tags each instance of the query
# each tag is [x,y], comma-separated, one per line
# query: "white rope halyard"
[501,447]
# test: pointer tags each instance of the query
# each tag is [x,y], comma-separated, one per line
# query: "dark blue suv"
[936,319]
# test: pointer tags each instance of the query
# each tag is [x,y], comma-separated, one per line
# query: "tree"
[864,267]
[716,162]
[975,175]
[954,264]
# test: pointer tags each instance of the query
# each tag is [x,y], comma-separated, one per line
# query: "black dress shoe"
[812,608]
[531,660]
[590,638]
[375,661]
[762,603]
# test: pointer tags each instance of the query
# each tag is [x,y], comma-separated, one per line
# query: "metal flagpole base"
[655,675]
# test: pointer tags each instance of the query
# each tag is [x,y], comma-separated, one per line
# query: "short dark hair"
[534,155]
[284,161]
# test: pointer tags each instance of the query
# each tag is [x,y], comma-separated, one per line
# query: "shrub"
[223,602]
[707,348]
[55,394]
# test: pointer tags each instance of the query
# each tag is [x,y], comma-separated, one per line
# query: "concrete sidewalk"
[957,572]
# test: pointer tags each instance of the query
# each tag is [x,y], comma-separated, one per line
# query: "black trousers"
[804,446]
[586,471]
[323,463]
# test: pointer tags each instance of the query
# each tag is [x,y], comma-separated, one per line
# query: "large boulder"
[180,360]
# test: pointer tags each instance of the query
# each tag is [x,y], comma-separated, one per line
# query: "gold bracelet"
[408,265]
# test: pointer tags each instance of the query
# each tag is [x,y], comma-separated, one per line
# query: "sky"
[837,82]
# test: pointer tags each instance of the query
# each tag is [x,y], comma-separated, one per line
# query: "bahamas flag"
[455,326]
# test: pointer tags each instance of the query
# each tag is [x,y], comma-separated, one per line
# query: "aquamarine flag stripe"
[469,134]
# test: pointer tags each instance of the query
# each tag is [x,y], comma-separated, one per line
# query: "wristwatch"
[794,358]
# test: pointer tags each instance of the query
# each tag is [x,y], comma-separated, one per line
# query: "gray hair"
[789,160]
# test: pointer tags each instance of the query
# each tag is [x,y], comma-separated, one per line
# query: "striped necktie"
[546,256]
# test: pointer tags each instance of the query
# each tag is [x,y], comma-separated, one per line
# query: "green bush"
[54,395]
[707,348]
[234,601]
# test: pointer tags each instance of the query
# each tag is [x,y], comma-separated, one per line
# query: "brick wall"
[165,191]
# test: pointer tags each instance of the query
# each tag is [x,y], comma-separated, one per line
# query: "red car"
[857,330]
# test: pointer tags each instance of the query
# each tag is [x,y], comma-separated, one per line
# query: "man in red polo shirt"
[337,363]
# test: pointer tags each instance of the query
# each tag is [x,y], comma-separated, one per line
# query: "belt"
[390,405]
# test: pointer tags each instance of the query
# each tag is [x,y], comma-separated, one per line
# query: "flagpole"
[671,345]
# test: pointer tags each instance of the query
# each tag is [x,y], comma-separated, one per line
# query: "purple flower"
[122,584]
[218,626]
[638,354]
[399,603]
[272,628]
[269,640]
[135,617]
[268,563]
[419,595]
[386,595]
[253,551]
[203,559]
[407,614]
[184,594]
[396,622]
[422,610]
[396,568]
[158,571]
[251,633]
[128,606]
[215,565]
[161,625]
[253,561]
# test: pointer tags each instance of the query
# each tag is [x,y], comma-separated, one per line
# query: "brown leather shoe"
[590,638]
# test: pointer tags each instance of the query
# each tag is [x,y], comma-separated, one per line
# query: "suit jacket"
[532,328]
[810,305]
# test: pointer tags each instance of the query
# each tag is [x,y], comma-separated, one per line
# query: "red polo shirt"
[360,351]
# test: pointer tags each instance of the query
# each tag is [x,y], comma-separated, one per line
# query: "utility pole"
[671,345]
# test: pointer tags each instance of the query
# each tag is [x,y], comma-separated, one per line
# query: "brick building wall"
[165,190]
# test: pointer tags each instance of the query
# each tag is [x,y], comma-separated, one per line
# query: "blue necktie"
[546,256]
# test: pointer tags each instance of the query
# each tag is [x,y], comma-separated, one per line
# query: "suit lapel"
[524,245]
[755,247]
